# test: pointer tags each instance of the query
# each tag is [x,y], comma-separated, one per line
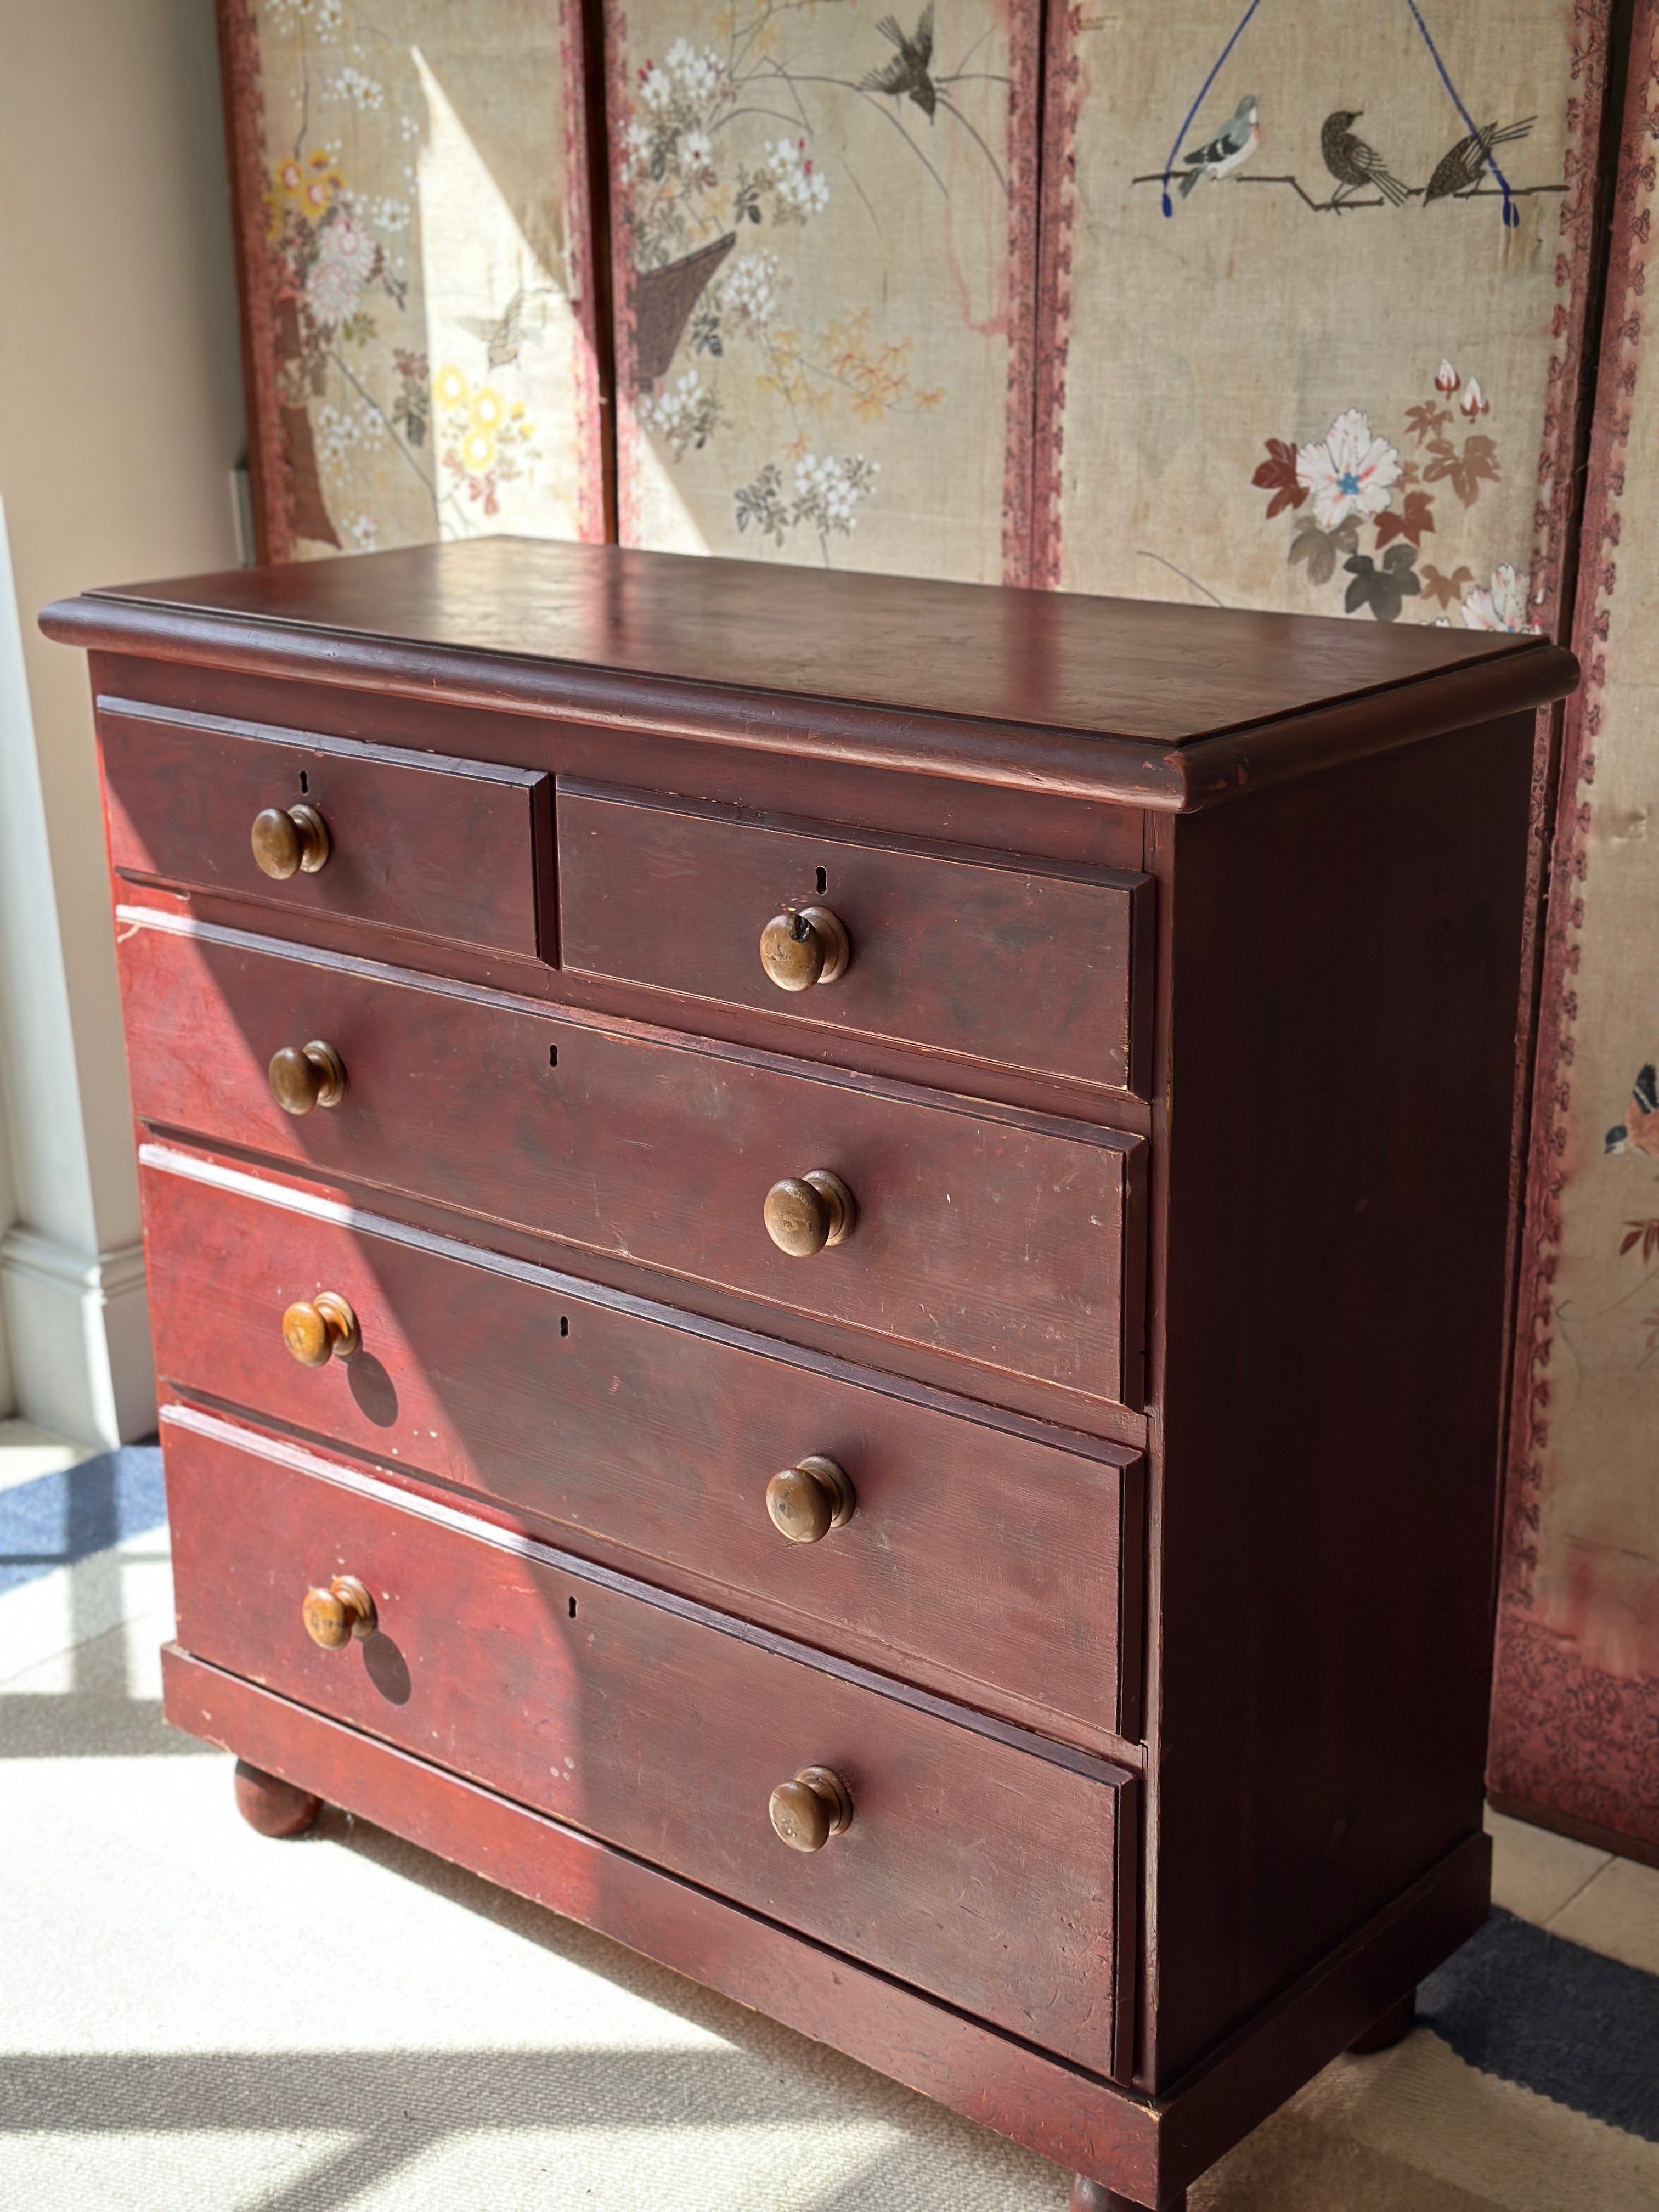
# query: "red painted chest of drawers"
[827,1261]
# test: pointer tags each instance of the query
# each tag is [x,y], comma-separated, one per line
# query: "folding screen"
[1307,301]
[412,200]
[822,221]
[1576,1712]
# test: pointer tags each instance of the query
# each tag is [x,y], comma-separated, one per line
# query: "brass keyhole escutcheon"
[304,1076]
[807,1500]
[290,841]
[334,1615]
[806,1214]
[808,1811]
[804,945]
[322,1329]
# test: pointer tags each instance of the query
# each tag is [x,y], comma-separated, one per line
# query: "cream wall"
[120,422]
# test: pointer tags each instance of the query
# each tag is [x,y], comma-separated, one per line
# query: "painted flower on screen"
[799,189]
[697,157]
[1504,606]
[1348,472]
[345,260]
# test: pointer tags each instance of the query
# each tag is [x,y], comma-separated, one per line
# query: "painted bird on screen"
[1639,1130]
[1355,165]
[1459,170]
[504,335]
[1235,141]
[908,75]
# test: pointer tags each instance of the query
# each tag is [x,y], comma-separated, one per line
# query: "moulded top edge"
[1098,698]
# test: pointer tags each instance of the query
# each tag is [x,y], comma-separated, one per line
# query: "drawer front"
[972,1868]
[980,1564]
[982,1235]
[446,848]
[1025,965]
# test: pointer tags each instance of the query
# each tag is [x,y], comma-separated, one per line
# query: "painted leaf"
[1413,521]
[1424,420]
[1383,590]
[1446,590]
[1277,474]
[1644,1233]
[1465,472]
[1319,548]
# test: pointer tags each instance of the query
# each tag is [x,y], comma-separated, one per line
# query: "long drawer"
[994,1237]
[976,1561]
[972,1868]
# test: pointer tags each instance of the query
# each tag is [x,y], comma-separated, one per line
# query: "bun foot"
[1094,2197]
[1394,2027]
[273,1806]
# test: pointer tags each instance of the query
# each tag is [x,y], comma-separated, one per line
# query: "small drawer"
[983,1564]
[973,1866]
[1017,963]
[999,1238]
[457,850]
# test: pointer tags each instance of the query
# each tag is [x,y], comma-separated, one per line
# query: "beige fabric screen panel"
[1324,379]
[1576,1711]
[823,235]
[412,210]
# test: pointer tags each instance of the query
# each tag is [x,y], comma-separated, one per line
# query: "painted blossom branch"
[441,498]
[884,106]
[1142,554]
[1339,205]
[741,40]
[950,108]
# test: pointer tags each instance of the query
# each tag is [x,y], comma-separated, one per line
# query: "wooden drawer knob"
[812,1808]
[290,841]
[304,1076]
[333,1616]
[806,1212]
[325,1329]
[804,945]
[809,1499]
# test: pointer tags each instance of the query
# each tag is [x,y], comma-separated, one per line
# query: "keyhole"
[564,1325]
[305,786]
[823,881]
[573,1608]
[553,1055]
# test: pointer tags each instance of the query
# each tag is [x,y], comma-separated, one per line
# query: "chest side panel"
[1346,979]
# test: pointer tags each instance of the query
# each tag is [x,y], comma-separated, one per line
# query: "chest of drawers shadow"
[828,1261]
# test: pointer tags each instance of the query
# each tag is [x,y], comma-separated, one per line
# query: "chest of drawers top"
[1143,703]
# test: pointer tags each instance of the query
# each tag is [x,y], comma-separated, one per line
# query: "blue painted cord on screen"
[1511,213]
[1203,94]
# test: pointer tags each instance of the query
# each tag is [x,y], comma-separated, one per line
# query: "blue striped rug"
[56,1520]
[1532,2009]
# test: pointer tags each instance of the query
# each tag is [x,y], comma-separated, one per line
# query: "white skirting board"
[78,1328]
